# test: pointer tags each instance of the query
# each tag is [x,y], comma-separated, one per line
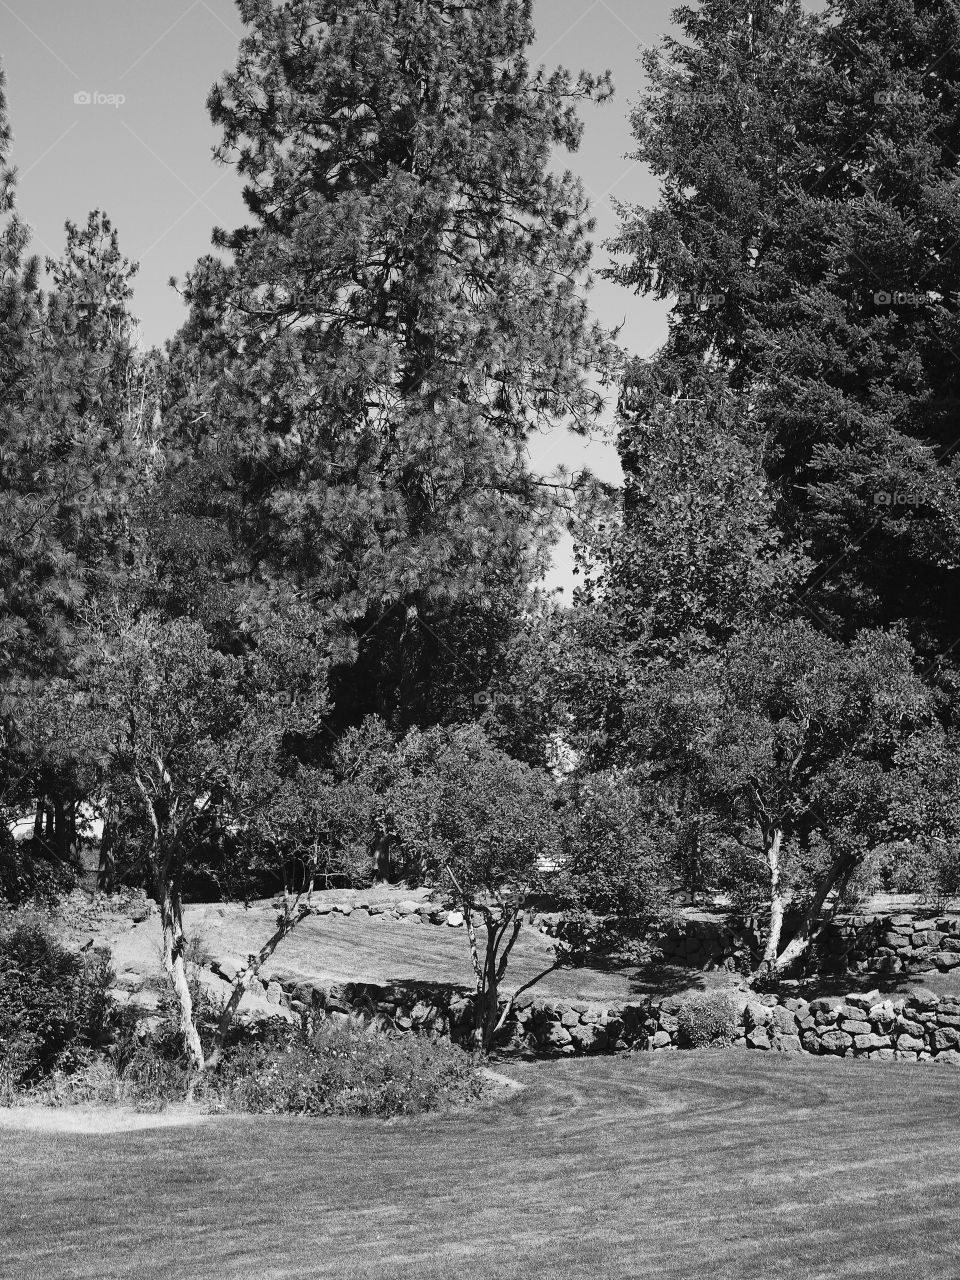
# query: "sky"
[107,104]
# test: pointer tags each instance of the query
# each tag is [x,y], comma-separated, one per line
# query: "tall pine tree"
[403,311]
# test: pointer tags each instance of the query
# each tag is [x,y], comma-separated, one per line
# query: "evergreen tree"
[402,312]
[810,228]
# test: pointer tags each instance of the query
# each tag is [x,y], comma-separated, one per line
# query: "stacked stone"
[706,944]
[408,910]
[900,944]
[920,1026]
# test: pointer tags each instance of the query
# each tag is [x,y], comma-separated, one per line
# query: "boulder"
[455,919]
[227,967]
[855,1027]
[922,998]
[863,1000]
[758,1039]
[784,1021]
[835,1042]
[945,959]
[865,1042]
[554,1036]
[589,1038]
[910,1044]
[790,1044]
[407,907]
[825,1005]
[661,1040]
[757,1015]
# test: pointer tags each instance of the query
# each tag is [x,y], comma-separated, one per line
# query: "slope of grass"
[729,1166]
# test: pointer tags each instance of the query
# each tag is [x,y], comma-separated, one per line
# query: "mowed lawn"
[722,1165]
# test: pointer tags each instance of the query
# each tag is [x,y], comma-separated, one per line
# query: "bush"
[707,1020]
[29,874]
[348,1070]
[53,1004]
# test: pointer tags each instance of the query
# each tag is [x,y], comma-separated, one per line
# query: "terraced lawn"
[677,1166]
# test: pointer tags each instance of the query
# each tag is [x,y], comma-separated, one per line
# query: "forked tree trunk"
[799,944]
[294,912]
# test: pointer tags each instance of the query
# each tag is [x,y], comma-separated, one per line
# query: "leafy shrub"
[706,1020]
[53,1004]
[29,874]
[346,1069]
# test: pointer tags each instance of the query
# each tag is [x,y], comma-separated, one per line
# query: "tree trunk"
[60,833]
[804,934]
[174,945]
[293,914]
[777,905]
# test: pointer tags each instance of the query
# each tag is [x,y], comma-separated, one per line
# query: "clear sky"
[141,148]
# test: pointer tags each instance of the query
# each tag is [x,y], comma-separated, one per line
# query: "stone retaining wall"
[920,1026]
[909,944]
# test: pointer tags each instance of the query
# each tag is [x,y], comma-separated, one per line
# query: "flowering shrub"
[345,1069]
[707,1020]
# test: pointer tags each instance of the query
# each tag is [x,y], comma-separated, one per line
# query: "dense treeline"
[270,603]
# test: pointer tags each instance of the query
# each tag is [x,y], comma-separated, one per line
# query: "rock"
[908,1026]
[863,1000]
[945,959]
[784,1021]
[554,1036]
[835,1042]
[855,1027]
[589,1038]
[274,993]
[790,1044]
[407,907]
[864,1042]
[825,1004]
[758,1039]
[757,1015]
[949,1057]
[661,1040]
[945,1038]
[922,998]
[322,908]
[228,967]
[910,1044]
[344,908]
[882,1013]
[455,919]
[570,1018]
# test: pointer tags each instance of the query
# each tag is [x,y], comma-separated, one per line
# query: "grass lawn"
[360,948]
[728,1166]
